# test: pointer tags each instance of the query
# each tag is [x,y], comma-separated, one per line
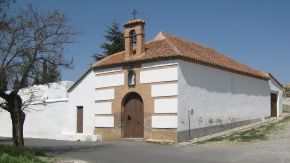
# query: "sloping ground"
[272,130]
[274,148]
[282,130]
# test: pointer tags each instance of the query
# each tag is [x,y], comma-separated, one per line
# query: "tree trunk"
[17,117]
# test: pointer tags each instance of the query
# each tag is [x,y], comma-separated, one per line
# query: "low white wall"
[45,120]
[218,97]
[5,124]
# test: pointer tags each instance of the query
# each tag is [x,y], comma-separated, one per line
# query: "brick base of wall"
[164,134]
[106,133]
[158,134]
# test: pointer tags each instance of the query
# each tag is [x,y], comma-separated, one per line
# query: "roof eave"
[125,63]
[79,80]
[276,80]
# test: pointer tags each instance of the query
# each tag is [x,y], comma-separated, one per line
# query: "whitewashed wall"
[164,121]
[95,93]
[82,95]
[163,77]
[5,124]
[219,97]
[159,75]
[103,80]
[42,121]
[47,122]
[165,105]
[277,89]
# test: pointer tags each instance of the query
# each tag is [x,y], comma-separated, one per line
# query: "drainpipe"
[189,112]
[189,134]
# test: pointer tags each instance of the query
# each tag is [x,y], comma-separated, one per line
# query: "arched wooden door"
[133,116]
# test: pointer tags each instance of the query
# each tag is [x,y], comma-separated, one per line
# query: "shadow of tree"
[6,140]
[73,148]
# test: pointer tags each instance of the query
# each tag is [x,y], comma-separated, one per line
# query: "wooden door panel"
[79,119]
[133,117]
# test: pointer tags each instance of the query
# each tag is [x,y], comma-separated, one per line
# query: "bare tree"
[29,39]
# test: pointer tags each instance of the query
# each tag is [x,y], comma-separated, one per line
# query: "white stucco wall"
[162,76]
[43,120]
[109,80]
[104,94]
[47,121]
[158,90]
[277,89]
[159,75]
[103,108]
[5,124]
[164,121]
[95,93]
[82,95]
[218,97]
[166,105]
[104,121]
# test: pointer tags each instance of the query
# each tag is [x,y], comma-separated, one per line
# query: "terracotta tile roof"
[166,46]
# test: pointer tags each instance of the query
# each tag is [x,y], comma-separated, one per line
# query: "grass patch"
[12,154]
[258,133]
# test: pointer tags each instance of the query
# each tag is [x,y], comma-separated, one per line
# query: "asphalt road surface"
[276,150]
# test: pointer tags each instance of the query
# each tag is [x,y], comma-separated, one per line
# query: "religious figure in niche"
[131,78]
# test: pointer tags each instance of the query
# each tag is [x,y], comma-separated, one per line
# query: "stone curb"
[71,161]
[156,141]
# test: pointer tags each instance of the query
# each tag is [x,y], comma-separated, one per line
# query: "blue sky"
[254,32]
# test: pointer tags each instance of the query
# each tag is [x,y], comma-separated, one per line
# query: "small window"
[131,78]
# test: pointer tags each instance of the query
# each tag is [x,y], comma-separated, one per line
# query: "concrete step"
[133,139]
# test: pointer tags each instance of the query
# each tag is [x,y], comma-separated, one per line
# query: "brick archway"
[132,116]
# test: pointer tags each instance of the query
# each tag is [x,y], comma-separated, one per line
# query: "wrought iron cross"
[134,13]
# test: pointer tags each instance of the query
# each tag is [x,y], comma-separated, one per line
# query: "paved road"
[271,151]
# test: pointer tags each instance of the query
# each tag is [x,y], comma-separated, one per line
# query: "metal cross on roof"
[134,13]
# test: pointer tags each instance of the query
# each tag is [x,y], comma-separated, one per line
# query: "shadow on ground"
[6,140]
[68,149]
